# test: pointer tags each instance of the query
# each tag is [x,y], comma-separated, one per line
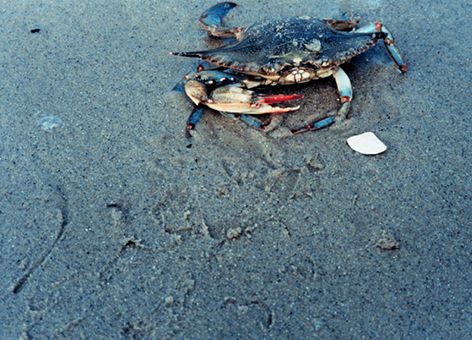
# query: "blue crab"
[281,52]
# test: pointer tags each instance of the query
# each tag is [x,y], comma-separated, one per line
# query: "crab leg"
[389,42]
[345,92]
[194,117]
[212,21]
[342,25]
[213,77]
[320,122]
[197,114]
[251,121]
[208,74]
[256,123]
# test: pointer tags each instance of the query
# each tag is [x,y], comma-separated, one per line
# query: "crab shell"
[290,51]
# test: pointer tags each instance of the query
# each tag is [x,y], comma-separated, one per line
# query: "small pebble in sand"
[233,233]
[242,310]
[313,163]
[169,301]
[367,144]
[387,241]
[49,123]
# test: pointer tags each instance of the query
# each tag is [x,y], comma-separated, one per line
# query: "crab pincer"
[212,21]
[235,99]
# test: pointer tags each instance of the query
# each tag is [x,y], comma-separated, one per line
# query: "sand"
[113,226]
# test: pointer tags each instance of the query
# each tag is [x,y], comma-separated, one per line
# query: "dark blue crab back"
[269,48]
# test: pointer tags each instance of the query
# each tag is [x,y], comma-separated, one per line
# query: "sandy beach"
[114,225]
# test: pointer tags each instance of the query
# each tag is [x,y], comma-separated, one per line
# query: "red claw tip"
[279,98]
[403,68]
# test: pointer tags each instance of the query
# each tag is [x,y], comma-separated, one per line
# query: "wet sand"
[112,226]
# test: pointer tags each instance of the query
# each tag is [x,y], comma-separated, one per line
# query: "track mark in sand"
[128,244]
[119,213]
[63,217]
[269,314]
[230,172]
[169,314]
[282,182]
[173,212]
[61,332]
[267,317]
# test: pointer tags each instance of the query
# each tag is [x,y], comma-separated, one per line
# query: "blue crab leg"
[212,21]
[179,87]
[345,92]
[202,66]
[389,42]
[319,123]
[194,117]
[205,66]
[213,77]
[251,121]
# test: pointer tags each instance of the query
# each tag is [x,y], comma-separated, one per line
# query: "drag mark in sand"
[63,217]
[266,315]
[128,244]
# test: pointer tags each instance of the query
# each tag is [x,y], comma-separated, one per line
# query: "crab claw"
[215,14]
[234,99]
[279,98]
[238,100]
[212,21]
[213,77]
[196,91]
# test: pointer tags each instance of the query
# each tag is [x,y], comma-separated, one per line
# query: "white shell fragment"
[367,144]
[49,123]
